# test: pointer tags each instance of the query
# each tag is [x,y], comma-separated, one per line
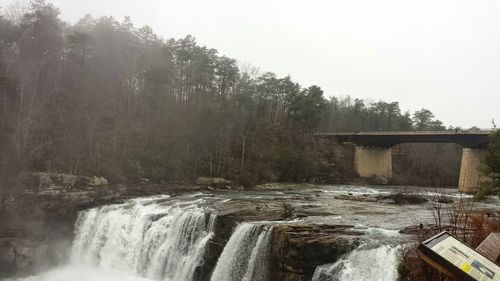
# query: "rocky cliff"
[37,227]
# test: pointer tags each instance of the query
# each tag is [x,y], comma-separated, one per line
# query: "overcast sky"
[441,55]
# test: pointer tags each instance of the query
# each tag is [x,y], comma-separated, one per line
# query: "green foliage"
[424,120]
[345,114]
[307,107]
[247,179]
[292,165]
[492,168]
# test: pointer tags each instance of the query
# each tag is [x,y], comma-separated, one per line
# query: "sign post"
[457,260]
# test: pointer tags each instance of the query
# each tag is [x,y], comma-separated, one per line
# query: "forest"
[104,97]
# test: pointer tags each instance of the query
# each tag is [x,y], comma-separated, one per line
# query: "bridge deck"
[407,133]
[386,139]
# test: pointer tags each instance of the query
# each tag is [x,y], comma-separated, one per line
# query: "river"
[166,237]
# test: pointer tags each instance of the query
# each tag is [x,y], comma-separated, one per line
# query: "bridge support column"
[373,161]
[470,171]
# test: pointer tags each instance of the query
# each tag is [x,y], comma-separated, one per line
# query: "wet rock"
[444,199]
[362,198]
[402,198]
[15,254]
[283,186]
[387,201]
[298,249]
[425,230]
[7,255]
[380,180]
[300,215]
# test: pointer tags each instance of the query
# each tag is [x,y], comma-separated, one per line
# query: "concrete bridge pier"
[471,175]
[373,161]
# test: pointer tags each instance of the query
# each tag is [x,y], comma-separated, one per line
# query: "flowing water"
[150,240]
[363,264]
[140,239]
[166,239]
[375,260]
[245,255]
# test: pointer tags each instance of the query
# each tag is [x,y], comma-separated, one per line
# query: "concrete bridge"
[373,155]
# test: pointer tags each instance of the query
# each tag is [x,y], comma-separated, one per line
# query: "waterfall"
[143,238]
[363,264]
[246,255]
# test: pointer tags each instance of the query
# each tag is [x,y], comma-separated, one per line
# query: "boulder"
[298,249]
[360,198]
[98,181]
[402,198]
[92,181]
[380,180]
[444,199]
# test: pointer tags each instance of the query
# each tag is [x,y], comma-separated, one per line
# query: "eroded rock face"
[21,255]
[15,254]
[298,249]
[36,228]
[46,232]
[229,215]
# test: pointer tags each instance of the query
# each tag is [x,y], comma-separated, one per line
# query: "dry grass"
[287,210]
[459,219]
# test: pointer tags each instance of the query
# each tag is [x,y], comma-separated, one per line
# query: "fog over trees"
[104,97]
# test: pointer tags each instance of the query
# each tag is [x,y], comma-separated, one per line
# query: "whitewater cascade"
[373,261]
[246,255]
[143,238]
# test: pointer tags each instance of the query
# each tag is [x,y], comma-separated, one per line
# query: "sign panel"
[459,258]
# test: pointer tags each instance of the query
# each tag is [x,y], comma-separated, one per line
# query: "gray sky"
[437,54]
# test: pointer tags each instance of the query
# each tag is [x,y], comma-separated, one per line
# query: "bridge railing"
[393,133]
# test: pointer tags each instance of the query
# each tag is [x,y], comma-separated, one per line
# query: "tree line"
[104,97]
[491,168]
